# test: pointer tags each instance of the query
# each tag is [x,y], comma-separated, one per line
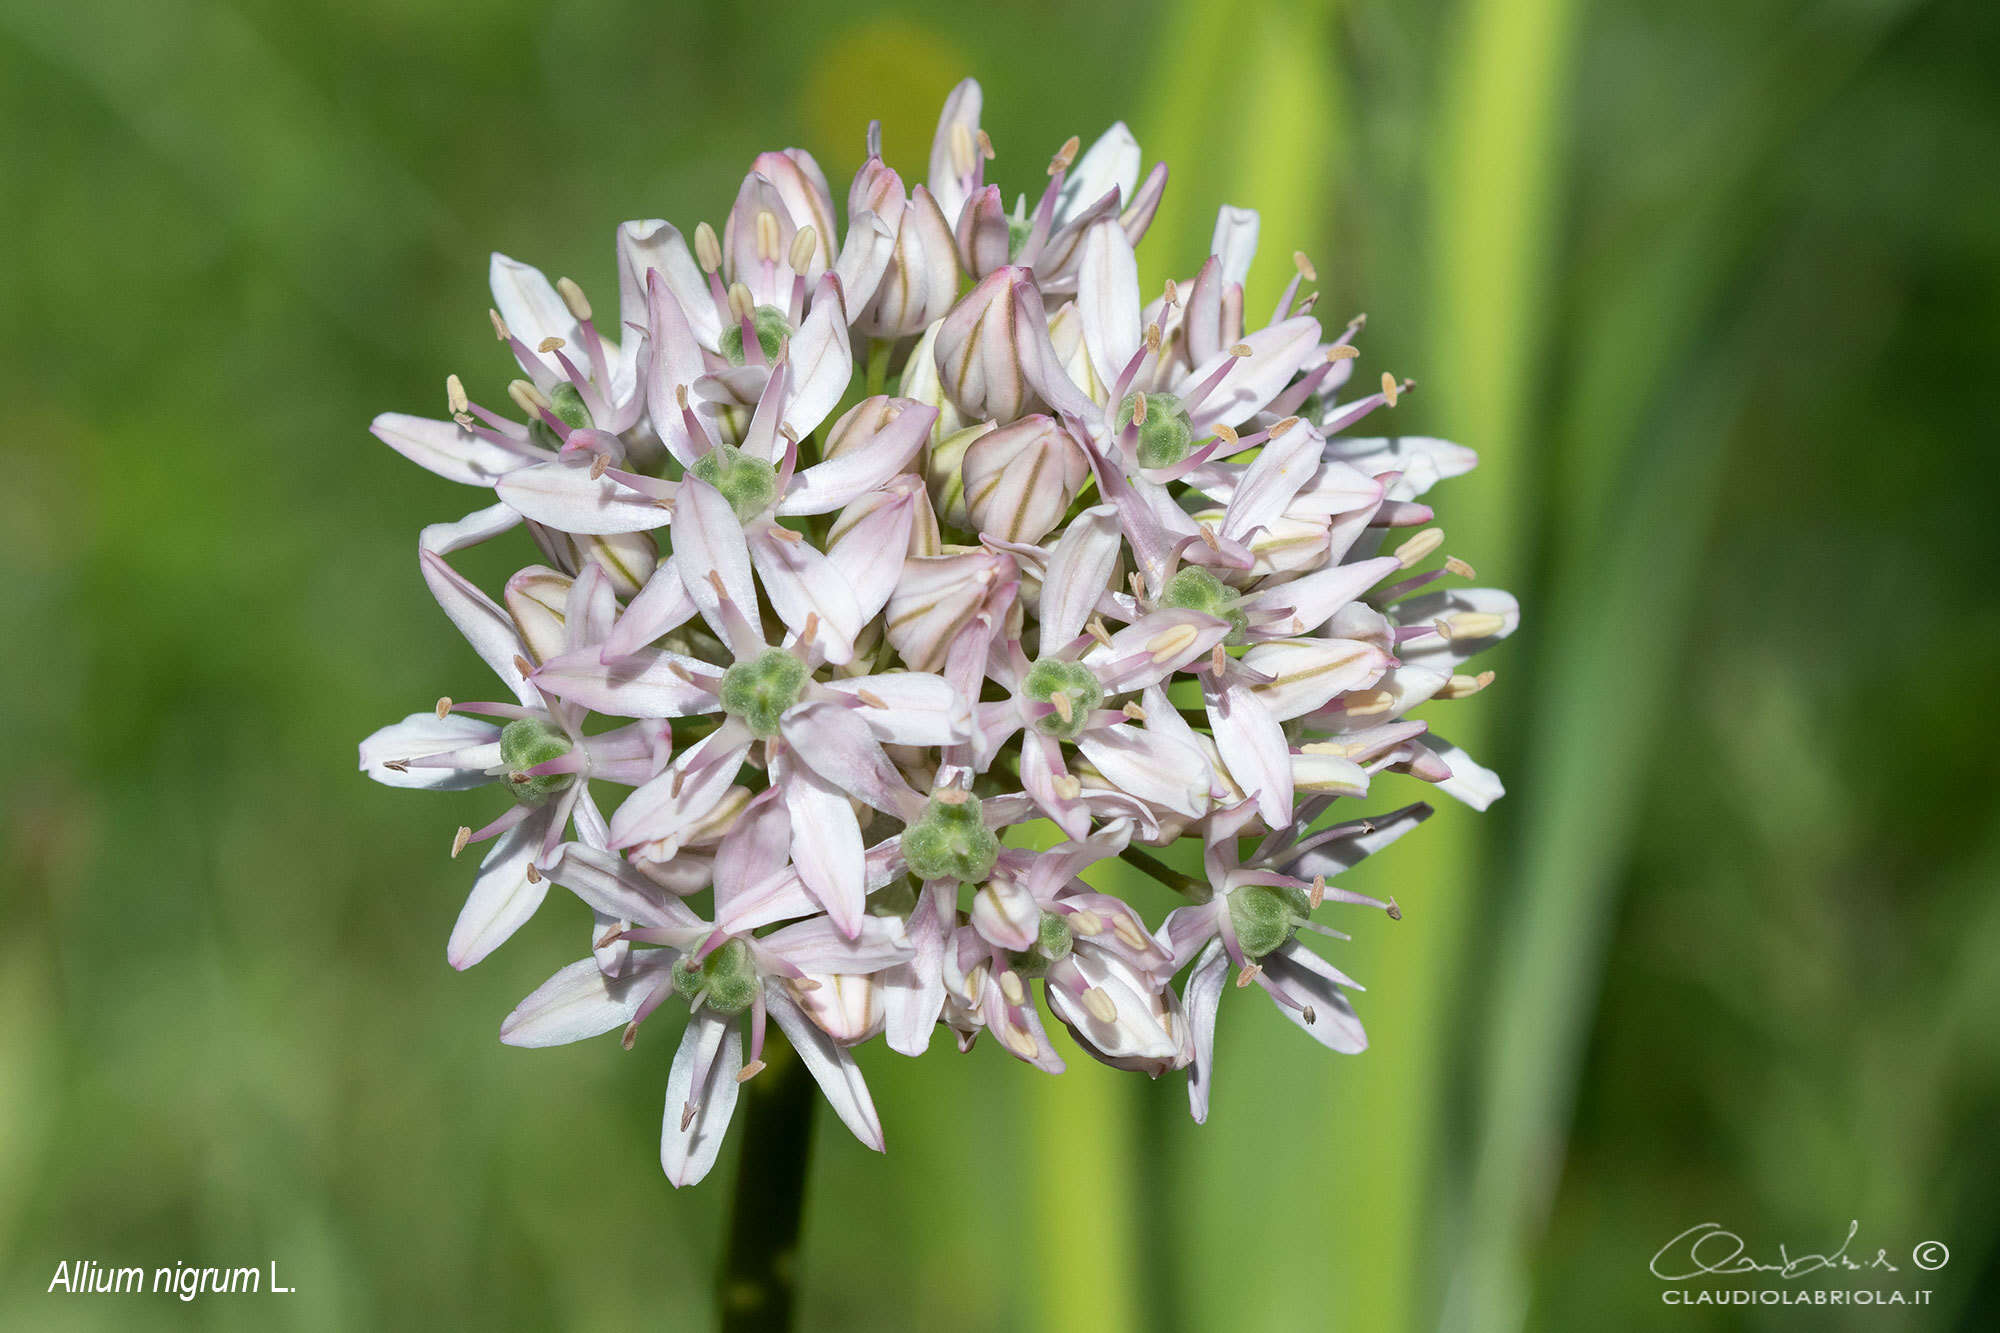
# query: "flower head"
[885,529]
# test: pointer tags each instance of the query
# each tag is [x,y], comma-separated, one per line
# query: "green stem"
[1163,872]
[757,1284]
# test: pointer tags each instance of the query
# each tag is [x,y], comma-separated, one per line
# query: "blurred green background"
[1713,287]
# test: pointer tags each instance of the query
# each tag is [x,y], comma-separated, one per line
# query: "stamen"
[1065,155]
[396,765]
[1127,933]
[1218,661]
[962,148]
[1172,296]
[1139,410]
[609,937]
[1453,565]
[527,397]
[1134,711]
[1318,894]
[1171,642]
[1086,922]
[454,396]
[551,344]
[811,630]
[1366,703]
[1470,625]
[598,466]
[1067,787]
[1098,631]
[707,249]
[804,242]
[715,582]
[1208,537]
[459,839]
[949,796]
[1395,912]
[1310,1015]
[1241,349]
[1283,426]
[750,1071]
[767,236]
[1342,352]
[1304,266]
[1250,972]
[1227,434]
[1462,687]
[804,984]
[631,1034]
[1098,1001]
[1389,390]
[1019,1041]
[443,707]
[870,698]
[741,304]
[985,146]
[1337,749]
[499,324]
[523,665]
[573,297]
[1060,701]
[1010,986]
[1153,339]
[534,875]
[687,1116]
[1419,547]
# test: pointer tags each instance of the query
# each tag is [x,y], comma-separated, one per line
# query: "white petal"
[833,1069]
[711,1048]
[422,734]
[503,897]
[446,448]
[580,1002]
[562,494]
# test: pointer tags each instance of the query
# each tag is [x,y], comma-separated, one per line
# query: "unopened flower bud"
[944,471]
[921,281]
[978,351]
[535,599]
[935,599]
[1019,480]
[847,1008]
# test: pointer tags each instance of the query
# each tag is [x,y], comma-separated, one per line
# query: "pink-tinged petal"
[767,272]
[528,302]
[1041,765]
[1277,351]
[1336,488]
[785,897]
[832,1067]
[1187,930]
[1111,163]
[916,989]
[1107,295]
[977,360]
[957,161]
[1234,243]
[1284,466]
[909,708]
[841,749]
[982,235]
[870,542]
[826,846]
[1287,610]
[535,598]
[1338,850]
[608,884]
[1039,360]
[588,612]
[654,245]
[679,798]
[1470,781]
[866,255]
[1005,914]
[755,850]
[1306,673]
[1136,1037]
[449,449]
[1306,979]
[802,187]
[480,525]
[678,365]
[649,683]
[870,444]
[1080,571]
[662,605]
[1327,775]
[485,626]
[1422,461]
[703,1078]
[503,897]
[1253,746]
[581,1002]
[1200,1000]
[936,597]
[1019,480]
[1202,331]
[473,746]
[818,946]
[1137,216]
[1152,767]
[807,589]
[563,494]
[709,540]
[821,360]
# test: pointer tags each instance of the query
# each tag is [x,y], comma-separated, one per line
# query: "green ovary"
[771,327]
[951,842]
[1195,589]
[749,484]
[1166,435]
[727,979]
[525,743]
[1076,683]
[1265,917]
[760,690]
